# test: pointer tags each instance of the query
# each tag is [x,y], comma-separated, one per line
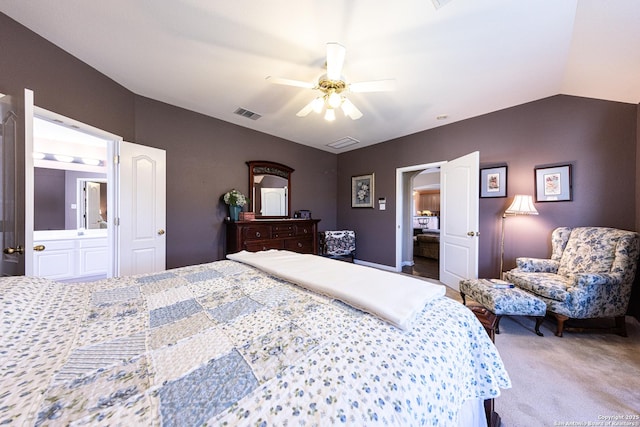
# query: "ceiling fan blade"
[290,82]
[335,60]
[350,110]
[306,109]
[373,86]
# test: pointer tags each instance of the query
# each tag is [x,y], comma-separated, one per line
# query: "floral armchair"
[589,275]
[339,245]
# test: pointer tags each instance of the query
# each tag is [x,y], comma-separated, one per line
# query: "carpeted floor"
[582,379]
[579,379]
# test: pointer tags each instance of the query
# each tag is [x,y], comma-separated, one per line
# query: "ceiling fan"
[333,87]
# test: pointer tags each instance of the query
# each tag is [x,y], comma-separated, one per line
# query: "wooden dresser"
[298,235]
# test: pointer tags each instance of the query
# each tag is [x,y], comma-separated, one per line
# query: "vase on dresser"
[234,212]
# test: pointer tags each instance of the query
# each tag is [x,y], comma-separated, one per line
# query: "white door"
[274,201]
[459,219]
[16,113]
[142,215]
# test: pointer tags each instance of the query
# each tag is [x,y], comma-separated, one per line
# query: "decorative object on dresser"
[340,245]
[269,189]
[297,235]
[236,200]
[589,275]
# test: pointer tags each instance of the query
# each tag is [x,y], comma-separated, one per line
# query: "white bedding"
[390,296]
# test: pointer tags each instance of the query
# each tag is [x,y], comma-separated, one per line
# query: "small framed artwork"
[493,182]
[362,191]
[553,184]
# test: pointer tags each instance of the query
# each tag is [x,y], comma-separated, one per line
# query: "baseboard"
[374,265]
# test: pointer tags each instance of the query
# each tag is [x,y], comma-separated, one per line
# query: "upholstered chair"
[589,275]
[339,245]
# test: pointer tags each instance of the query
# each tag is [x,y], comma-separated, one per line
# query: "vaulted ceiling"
[462,59]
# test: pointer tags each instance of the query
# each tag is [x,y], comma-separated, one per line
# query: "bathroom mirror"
[60,199]
[269,189]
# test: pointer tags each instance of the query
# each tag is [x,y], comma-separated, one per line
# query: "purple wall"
[206,158]
[597,137]
[48,199]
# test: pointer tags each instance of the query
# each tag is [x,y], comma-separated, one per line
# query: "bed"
[226,343]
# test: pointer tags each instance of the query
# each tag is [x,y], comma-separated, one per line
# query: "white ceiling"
[468,58]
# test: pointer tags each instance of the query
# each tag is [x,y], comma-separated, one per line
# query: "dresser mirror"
[270,189]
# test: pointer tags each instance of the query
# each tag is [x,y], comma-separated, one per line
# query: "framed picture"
[553,184]
[362,191]
[493,182]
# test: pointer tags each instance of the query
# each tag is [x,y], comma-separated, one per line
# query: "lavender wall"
[48,199]
[205,157]
[597,137]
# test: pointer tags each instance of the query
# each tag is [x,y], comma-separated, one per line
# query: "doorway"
[73,187]
[426,218]
[458,245]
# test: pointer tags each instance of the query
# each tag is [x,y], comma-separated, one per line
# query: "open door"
[459,225]
[15,140]
[142,209]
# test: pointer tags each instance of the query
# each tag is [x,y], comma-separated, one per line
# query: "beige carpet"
[579,379]
[582,379]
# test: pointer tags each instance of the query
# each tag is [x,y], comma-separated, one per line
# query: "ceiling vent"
[439,3]
[248,114]
[347,141]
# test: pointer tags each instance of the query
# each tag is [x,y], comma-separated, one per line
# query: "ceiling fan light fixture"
[330,115]
[334,100]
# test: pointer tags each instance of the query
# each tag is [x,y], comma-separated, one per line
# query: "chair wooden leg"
[621,326]
[498,324]
[561,319]
[464,301]
[539,320]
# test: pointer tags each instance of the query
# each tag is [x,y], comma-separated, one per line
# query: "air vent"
[439,3]
[248,114]
[343,142]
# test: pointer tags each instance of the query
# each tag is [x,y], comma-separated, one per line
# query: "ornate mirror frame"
[264,168]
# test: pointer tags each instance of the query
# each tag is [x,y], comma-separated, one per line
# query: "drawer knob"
[299,244]
[257,234]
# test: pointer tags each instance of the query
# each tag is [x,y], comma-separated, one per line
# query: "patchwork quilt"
[226,344]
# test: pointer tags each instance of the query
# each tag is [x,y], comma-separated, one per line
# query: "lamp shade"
[521,205]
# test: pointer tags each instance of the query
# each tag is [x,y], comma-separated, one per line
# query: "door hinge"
[116,221]
[116,160]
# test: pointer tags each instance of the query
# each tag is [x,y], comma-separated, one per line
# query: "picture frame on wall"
[493,182]
[553,184]
[362,191]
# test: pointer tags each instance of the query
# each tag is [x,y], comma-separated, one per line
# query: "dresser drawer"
[300,244]
[304,230]
[263,245]
[256,232]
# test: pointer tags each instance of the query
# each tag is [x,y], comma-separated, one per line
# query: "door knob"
[160,232]
[39,248]
[18,250]
[471,234]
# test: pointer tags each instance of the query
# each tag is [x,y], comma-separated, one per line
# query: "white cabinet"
[66,258]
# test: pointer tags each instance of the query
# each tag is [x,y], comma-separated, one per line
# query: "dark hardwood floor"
[423,267]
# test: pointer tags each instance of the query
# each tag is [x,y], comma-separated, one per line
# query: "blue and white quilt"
[226,344]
